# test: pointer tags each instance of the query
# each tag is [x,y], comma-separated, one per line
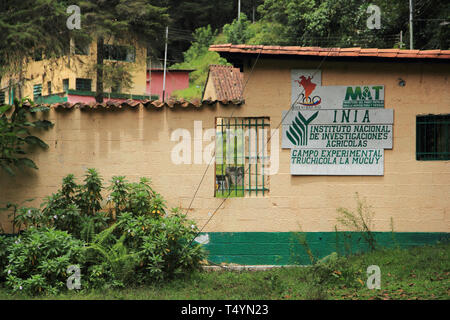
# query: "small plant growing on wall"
[16,137]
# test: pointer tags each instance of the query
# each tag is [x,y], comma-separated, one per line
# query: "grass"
[234,191]
[414,273]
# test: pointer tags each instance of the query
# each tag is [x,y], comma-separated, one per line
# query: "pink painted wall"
[175,80]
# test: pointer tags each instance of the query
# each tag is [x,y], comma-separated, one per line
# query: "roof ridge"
[157,104]
[335,52]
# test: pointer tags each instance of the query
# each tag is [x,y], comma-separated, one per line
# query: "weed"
[359,221]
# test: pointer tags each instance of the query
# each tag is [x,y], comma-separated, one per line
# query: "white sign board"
[308,93]
[336,130]
[364,162]
[339,128]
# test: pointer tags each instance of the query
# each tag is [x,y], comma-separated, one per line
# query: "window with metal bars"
[242,157]
[83,84]
[2,97]
[37,91]
[433,137]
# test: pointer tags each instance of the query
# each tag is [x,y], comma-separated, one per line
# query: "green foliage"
[265,33]
[342,23]
[203,38]
[5,245]
[198,57]
[135,22]
[191,93]
[69,209]
[332,270]
[89,196]
[360,221]
[27,217]
[28,27]
[111,265]
[239,31]
[38,260]
[16,137]
[119,193]
[162,245]
[418,273]
[144,244]
[140,197]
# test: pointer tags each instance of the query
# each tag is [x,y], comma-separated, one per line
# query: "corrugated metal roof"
[331,52]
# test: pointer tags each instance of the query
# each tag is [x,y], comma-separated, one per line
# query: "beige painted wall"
[416,194]
[210,90]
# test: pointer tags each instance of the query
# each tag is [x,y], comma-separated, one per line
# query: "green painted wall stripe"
[284,248]
[50,99]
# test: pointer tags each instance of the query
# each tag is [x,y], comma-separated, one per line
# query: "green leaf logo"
[298,131]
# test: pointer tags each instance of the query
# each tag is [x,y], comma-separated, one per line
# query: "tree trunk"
[99,84]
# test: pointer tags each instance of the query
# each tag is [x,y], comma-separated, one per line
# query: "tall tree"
[31,28]
[138,21]
[344,22]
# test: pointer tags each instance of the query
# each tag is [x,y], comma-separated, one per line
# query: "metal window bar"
[37,91]
[433,137]
[241,157]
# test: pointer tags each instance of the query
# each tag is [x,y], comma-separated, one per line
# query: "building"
[368,121]
[176,79]
[72,78]
[223,83]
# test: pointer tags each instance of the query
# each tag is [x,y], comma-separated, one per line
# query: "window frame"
[37,91]
[79,87]
[64,81]
[252,142]
[111,52]
[437,146]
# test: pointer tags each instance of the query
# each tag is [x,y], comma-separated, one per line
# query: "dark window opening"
[83,84]
[433,137]
[65,85]
[119,53]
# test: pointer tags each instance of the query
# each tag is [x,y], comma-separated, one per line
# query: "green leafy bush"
[119,193]
[16,135]
[89,197]
[74,208]
[5,244]
[109,262]
[163,245]
[38,260]
[135,242]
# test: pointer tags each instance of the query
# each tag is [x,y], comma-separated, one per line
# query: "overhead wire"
[268,140]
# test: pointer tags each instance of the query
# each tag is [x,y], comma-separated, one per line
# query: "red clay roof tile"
[146,103]
[228,82]
[340,52]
